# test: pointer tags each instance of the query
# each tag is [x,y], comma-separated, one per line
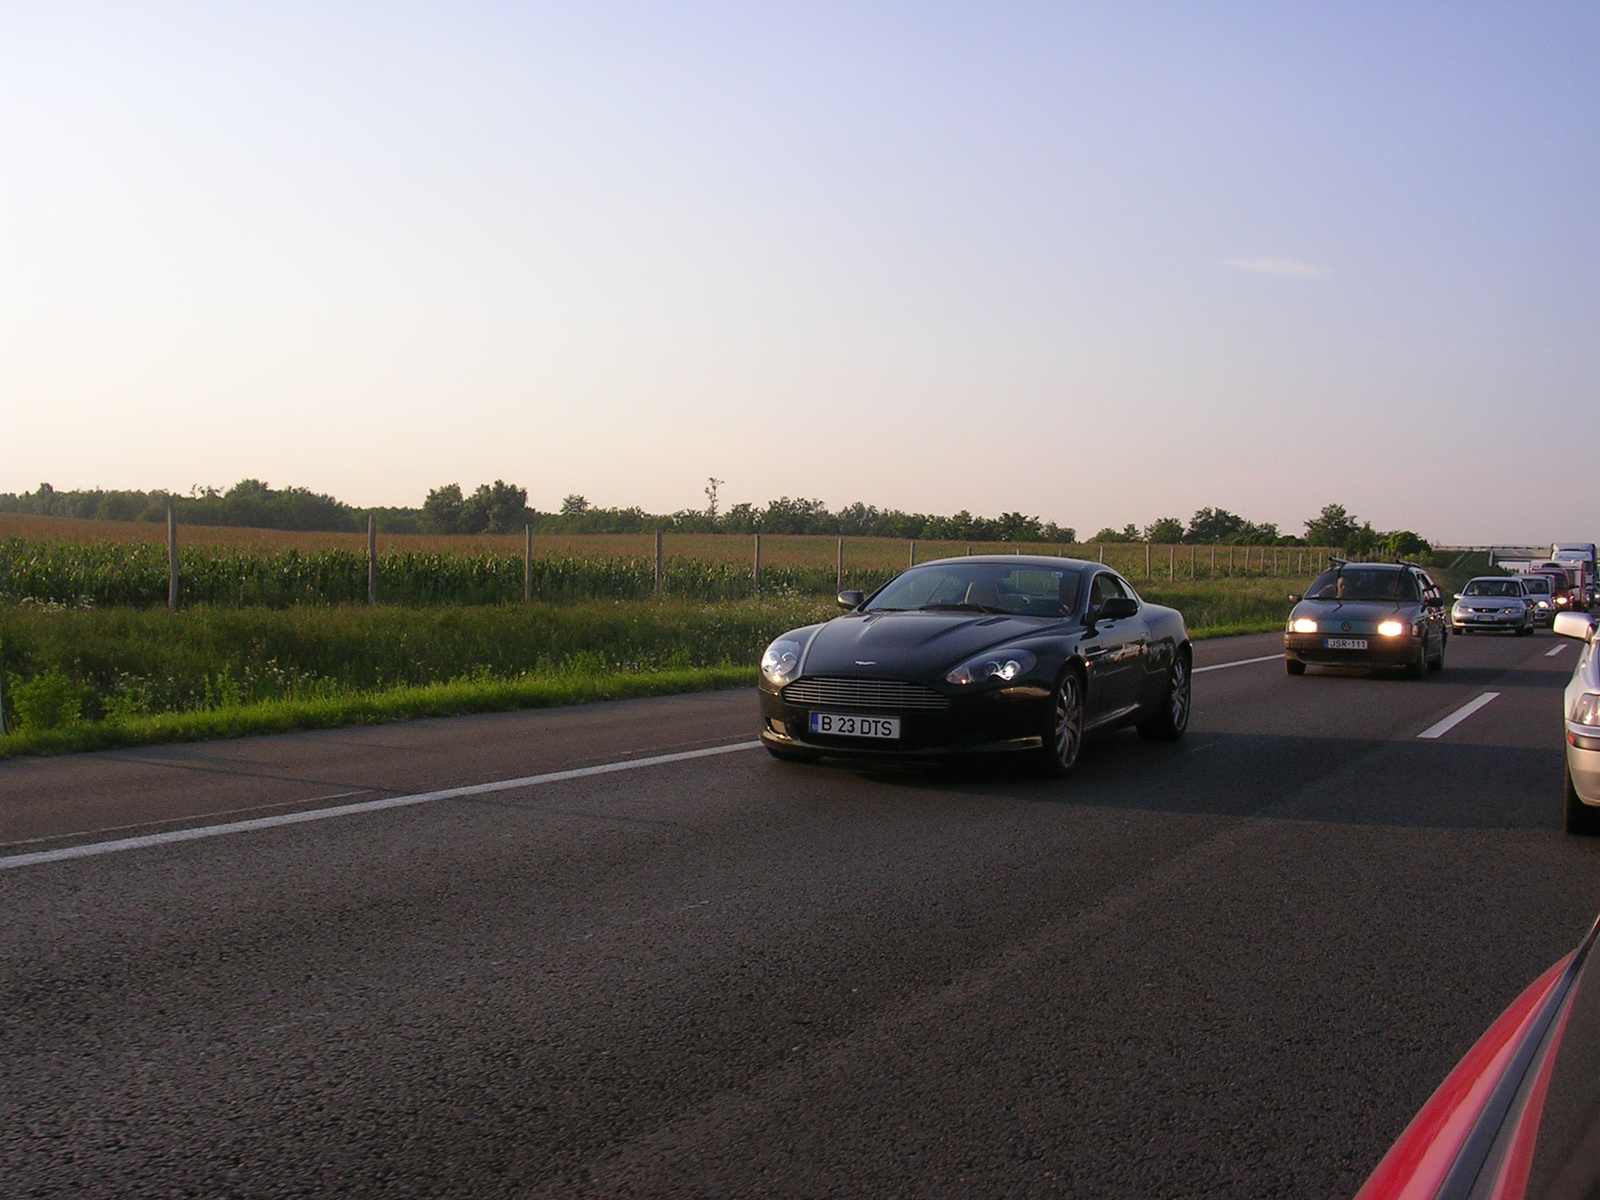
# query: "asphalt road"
[1234,966]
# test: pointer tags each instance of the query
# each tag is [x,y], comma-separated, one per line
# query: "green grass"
[402,703]
[87,678]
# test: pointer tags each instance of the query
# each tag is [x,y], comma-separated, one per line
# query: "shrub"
[46,701]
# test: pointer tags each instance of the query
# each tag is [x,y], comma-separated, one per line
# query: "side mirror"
[850,600]
[1295,597]
[1118,607]
[1574,625]
[1458,595]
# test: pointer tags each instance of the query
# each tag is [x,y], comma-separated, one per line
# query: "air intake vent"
[888,694]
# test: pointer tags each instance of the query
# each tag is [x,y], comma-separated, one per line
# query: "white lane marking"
[1440,728]
[1555,650]
[350,810]
[1243,662]
[56,837]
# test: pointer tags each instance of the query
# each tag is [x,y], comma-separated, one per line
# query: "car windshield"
[1537,584]
[982,587]
[1492,587]
[1363,583]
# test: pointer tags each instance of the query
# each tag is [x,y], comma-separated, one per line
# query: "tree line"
[502,507]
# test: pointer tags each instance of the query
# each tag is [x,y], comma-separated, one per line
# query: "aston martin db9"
[1003,654]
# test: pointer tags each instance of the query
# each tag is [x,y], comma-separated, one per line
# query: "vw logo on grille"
[1345,626]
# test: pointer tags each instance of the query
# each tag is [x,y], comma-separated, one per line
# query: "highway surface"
[1233,966]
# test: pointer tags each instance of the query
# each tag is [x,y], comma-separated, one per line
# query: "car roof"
[1028,560]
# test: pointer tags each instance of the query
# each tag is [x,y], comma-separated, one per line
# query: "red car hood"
[1478,1133]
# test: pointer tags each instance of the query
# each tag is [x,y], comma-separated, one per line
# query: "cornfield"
[134,574]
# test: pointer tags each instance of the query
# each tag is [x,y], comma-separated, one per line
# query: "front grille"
[891,694]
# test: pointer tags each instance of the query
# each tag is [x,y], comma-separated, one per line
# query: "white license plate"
[1344,643]
[847,725]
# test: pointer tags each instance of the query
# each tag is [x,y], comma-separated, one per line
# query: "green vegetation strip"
[365,708]
[82,679]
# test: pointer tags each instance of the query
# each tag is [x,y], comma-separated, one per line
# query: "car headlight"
[1004,664]
[1542,603]
[1561,599]
[1391,628]
[1304,625]
[781,661]
[1587,710]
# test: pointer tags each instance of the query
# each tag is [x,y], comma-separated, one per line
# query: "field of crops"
[263,567]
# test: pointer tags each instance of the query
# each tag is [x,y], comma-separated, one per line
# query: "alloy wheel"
[1068,725]
[1178,699]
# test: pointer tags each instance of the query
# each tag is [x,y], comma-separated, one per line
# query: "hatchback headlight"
[1391,628]
[781,661]
[1587,710]
[1004,664]
[1304,625]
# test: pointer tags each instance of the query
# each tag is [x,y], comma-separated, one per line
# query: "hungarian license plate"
[848,725]
[1344,643]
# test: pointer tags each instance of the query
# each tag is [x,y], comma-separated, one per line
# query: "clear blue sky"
[1101,263]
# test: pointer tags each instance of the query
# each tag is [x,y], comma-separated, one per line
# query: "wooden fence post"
[527,563]
[1172,563]
[659,564]
[1147,560]
[372,558]
[1230,558]
[1102,554]
[840,565]
[172,559]
[969,549]
[1191,560]
[911,553]
[757,571]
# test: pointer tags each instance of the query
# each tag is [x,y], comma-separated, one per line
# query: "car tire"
[1418,667]
[792,756]
[1438,659]
[1173,718]
[1580,818]
[1294,666]
[1525,631]
[1063,740]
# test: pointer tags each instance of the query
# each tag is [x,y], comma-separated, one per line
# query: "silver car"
[1540,596]
[1581,704]
[1492,602]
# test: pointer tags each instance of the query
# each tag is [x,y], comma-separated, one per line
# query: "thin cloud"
[1278,266]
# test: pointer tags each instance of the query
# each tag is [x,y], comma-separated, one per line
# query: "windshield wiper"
[982,608]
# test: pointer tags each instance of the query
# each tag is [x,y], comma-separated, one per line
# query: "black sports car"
[974,655]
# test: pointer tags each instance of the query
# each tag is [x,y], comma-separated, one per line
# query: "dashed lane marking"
[1440,728]
[1243,662]
[91,849]
[1555,650]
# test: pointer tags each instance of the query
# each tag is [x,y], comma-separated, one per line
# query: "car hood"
[911,645]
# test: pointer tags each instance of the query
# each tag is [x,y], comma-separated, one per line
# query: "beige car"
[1582,708]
